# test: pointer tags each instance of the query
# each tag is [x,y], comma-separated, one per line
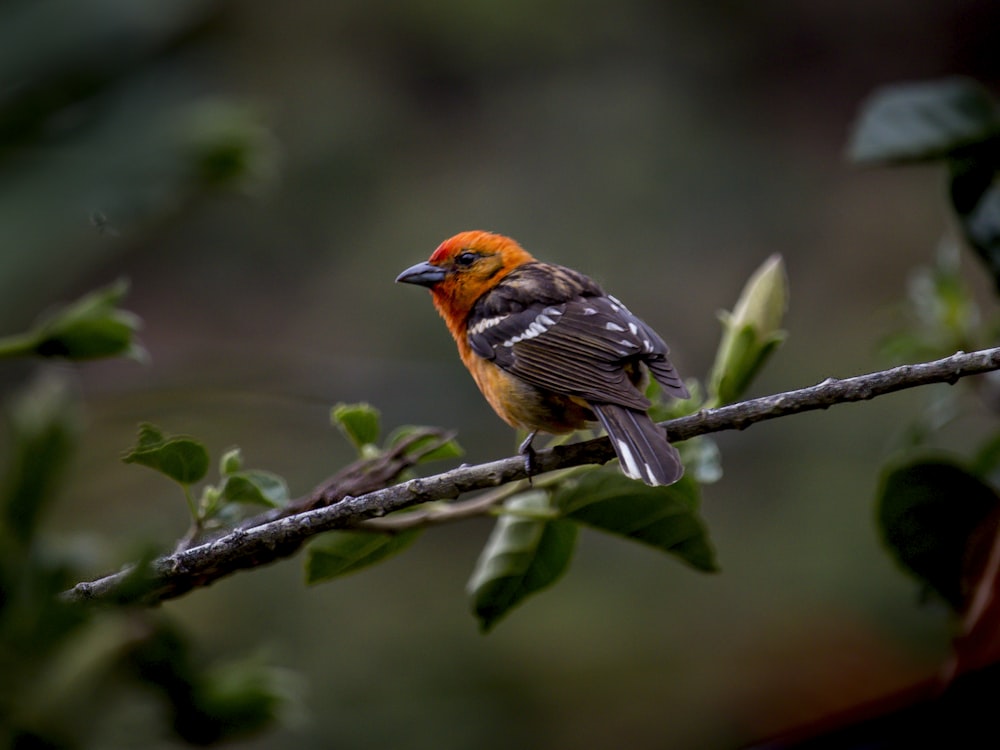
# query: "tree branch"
[175,574]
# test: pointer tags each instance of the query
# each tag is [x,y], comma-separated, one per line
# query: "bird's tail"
[642,447]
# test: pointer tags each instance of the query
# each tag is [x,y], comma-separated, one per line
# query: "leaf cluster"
[185,460]
[939,515]
[64,663]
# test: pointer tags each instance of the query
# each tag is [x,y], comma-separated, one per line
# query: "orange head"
[463,268]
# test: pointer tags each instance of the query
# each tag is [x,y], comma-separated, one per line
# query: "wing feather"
[557,330]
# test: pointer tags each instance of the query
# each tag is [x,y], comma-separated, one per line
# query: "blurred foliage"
[955,121]
[938,515]
[44,422]
[90,328]
[64,663]
[929,510]
[103,133]
[941,313]
[927,121]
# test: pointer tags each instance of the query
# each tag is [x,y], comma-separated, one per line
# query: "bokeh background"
[665,148]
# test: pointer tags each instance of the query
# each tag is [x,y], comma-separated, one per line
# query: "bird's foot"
[527,451]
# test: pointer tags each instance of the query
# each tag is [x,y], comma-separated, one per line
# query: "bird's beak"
[422,274]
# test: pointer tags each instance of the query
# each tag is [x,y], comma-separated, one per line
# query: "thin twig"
[435,514]
[173,575]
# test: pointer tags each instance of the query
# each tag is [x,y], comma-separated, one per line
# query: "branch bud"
[751,332]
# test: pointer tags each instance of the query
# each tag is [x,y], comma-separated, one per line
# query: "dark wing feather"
[557,330]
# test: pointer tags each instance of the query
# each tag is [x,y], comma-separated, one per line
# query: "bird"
[550,350]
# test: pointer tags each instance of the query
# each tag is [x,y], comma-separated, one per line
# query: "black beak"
[422,274]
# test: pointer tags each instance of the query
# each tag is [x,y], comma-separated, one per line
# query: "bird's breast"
[522,405]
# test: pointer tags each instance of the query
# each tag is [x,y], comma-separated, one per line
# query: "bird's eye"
[465,259]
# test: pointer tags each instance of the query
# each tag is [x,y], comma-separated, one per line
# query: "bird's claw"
[527,451]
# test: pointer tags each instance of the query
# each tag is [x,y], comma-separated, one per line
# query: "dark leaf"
[923,121]
[975,194]
[525,554]
[663,517]
[92,327]
[928,512]
[338,553]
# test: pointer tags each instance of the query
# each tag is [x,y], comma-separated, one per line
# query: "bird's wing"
[582,347]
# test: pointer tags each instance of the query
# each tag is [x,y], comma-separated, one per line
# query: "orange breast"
[522,405]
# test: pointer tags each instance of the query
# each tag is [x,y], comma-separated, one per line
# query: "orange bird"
[550,350]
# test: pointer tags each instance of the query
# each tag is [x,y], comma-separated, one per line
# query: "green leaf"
[182,458]
[89,328]
[338,553]
[662,517]
[44,432]
[920,122]
[928,512]
[150,436]
[231,462]
[446,450]
[359,422]
[524,554]
[255,486]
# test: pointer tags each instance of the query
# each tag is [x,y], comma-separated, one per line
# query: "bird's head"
[465,267]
